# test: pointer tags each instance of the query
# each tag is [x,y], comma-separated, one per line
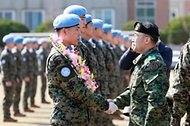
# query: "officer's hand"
[8,83]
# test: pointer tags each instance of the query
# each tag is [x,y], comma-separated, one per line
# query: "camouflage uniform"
[93,65]
[71,97]
[19,75]
[34,76]
[8,69]
[28,67]
[180,89]
[102,80]
[146,92]
[42,56]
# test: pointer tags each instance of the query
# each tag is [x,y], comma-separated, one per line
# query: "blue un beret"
[75,9]
[126,37]
[147,28]
[34,40]
[66,20]
[27,40]
[42,40]
[8,38]
[97,23]
[107,27]
[115,33]
[18,39]
[88,18]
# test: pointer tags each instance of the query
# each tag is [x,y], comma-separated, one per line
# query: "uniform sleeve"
[180,88]
[126,60]
[123,99]
[5,67]
[156,85]
[75,88]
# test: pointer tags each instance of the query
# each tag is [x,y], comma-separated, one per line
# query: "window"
[107,15]
[33,18]
[145,10]
[10,15]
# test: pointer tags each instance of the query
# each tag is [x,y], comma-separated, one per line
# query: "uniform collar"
[142,56]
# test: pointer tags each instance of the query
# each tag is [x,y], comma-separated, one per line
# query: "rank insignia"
[137,26]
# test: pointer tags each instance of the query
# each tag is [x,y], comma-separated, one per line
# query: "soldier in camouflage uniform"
[146,93]
[179,92]
[103,76]
[8,69]
[111,64]
[85,50]
[70,95]
[19,65]
[28,73]
[42,55]
[35,72]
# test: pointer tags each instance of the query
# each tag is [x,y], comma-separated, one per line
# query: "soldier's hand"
[45,74]
[8,83]
[17,80]
[27,79]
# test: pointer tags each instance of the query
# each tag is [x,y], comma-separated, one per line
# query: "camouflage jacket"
[28,65]
[42,55]
[19,63]
[71,98]
[180,89]
[147,90]
[8,67]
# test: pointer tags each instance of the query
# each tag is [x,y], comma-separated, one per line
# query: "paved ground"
[41,115]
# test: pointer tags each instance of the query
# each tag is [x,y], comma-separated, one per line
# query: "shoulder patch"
[153,66]
[24,59]
[3,61]
[41,57]
[66,72]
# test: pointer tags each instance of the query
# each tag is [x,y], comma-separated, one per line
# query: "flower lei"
[77,63]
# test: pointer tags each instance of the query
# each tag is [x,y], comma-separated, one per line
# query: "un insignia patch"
[3,61]
[66,72]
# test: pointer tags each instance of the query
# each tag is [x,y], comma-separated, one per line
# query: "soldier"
[111,64]
[103,76]
[179,91]
[71,94]
[28,72]
[42,56]
[149,83]
[8,69]
[35,72]
[20,71]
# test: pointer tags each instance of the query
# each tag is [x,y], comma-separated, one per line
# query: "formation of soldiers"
[22,60]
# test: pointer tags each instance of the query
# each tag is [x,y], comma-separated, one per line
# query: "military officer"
[19,75]
[8,69]
[42,57]
[146,93]
[71,97]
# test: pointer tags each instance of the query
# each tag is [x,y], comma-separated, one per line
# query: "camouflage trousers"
[16,97]
[7,99]
[27,93]
[33,90]
[43,87]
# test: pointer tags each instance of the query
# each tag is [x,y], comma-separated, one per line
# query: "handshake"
[112,107]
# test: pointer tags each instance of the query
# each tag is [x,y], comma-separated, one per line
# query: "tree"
[46,26]
[129,26]
[178,30]
[8,26]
